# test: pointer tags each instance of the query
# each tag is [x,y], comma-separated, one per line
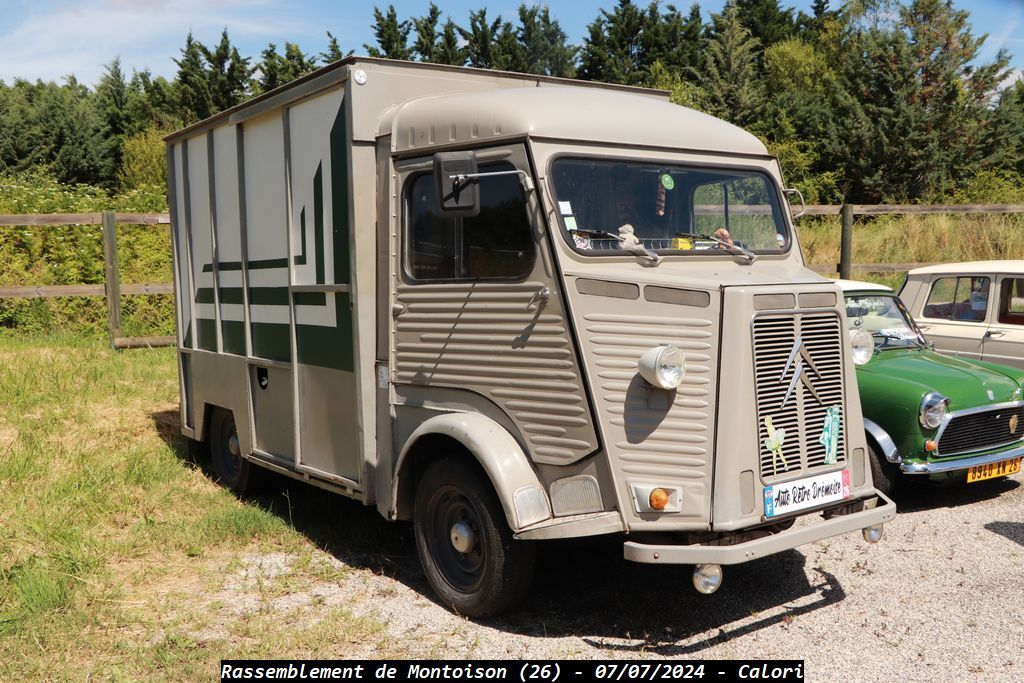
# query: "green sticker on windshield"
[667,182]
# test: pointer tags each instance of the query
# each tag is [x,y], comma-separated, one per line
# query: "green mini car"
[926,414]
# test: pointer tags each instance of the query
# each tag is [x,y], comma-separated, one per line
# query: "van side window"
[496,244]
[1011,302]
[958,298]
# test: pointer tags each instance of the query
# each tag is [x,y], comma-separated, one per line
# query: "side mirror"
[457,192]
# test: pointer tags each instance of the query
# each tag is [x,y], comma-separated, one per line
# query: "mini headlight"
[934,408]
[862,346]
[662,366]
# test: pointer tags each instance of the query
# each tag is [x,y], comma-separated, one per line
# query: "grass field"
[121,560]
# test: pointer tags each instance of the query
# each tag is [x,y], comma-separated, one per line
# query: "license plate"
[993,470]
[809,492]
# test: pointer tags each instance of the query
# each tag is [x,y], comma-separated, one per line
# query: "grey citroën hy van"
[513,308]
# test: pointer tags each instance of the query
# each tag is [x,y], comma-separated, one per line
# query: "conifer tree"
[481,37]
[448,50]
[228,73]
[426,46]
[334,51]
[194,99]
[729,77]
[391,34]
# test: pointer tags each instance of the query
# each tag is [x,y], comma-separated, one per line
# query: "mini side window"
[958,298]
[497,244]
[1011,302]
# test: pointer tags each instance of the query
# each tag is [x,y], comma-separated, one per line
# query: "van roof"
[981,267]
[563,113]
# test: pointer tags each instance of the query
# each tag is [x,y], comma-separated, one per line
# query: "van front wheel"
[465,545]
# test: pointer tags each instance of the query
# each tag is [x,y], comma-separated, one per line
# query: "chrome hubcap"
[463,537]
[233,447]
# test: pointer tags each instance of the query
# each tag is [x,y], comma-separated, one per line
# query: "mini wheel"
[884,474]
[232,470]
[465,545]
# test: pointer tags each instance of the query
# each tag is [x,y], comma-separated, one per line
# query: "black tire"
[884,474]
[496,570]
[232,470]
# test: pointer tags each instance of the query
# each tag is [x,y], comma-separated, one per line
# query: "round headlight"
[934,408]
[862,346]
[662,366]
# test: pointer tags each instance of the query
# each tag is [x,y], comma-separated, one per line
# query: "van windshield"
[606,206]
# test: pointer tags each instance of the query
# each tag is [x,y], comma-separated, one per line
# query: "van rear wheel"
[232,470]
[465,545]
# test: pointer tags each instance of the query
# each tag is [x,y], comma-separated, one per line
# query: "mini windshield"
[885,318]
[607,206]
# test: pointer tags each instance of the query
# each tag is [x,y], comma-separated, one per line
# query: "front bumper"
[958,464]
[884,511]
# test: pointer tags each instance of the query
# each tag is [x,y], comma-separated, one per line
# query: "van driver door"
[478,316]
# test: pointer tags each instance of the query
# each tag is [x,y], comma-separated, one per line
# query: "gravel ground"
[940,598]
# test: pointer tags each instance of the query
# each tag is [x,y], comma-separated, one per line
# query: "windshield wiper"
[732,248]
[639,249]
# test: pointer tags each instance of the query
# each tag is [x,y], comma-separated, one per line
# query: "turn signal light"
[931,446]
[658,499]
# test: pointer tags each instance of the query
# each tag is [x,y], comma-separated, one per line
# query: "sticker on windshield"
[565,208]
[570,223]
[667,182]
[830,434]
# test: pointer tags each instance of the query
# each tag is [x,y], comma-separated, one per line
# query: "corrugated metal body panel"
[229,239]
[181,243]
[201,235]
[652,435]
[494,339]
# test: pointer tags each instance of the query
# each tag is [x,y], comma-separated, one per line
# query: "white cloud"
[54,40]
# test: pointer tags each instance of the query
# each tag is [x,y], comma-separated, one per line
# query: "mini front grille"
[982,430]
[785,345]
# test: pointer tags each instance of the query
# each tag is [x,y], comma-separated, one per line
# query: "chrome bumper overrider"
[959,463]
[883,512]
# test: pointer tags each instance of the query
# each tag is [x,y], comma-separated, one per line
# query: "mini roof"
[971,267]
[858,286]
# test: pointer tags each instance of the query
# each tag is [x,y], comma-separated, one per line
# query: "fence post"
[846,241]
[111,276]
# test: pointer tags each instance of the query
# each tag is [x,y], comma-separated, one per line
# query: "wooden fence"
[113,289]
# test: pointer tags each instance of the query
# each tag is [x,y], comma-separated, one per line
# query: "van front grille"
[981,431]
[785,345]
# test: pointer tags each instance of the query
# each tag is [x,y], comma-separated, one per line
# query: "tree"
[448,50]
[767,22]
[112,109]
[333,52]
[612,51]
[228,74]
[542,46]
[481,38]
[195,101]
[426,46]
[275,70]
[729,77]
[392,35]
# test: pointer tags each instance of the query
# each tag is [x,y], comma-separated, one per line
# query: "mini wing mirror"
[455,183]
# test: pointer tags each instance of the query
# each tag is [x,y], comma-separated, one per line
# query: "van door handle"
[989,334]
[541,296]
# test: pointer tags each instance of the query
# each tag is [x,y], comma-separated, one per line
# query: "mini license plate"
[993,470]
[809,492]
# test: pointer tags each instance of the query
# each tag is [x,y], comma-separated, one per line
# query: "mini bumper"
[883,512]
[959,463]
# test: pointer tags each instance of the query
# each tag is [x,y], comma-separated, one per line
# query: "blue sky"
[49,39]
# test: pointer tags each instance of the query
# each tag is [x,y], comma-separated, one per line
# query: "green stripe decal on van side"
[340,199]
[233,336]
